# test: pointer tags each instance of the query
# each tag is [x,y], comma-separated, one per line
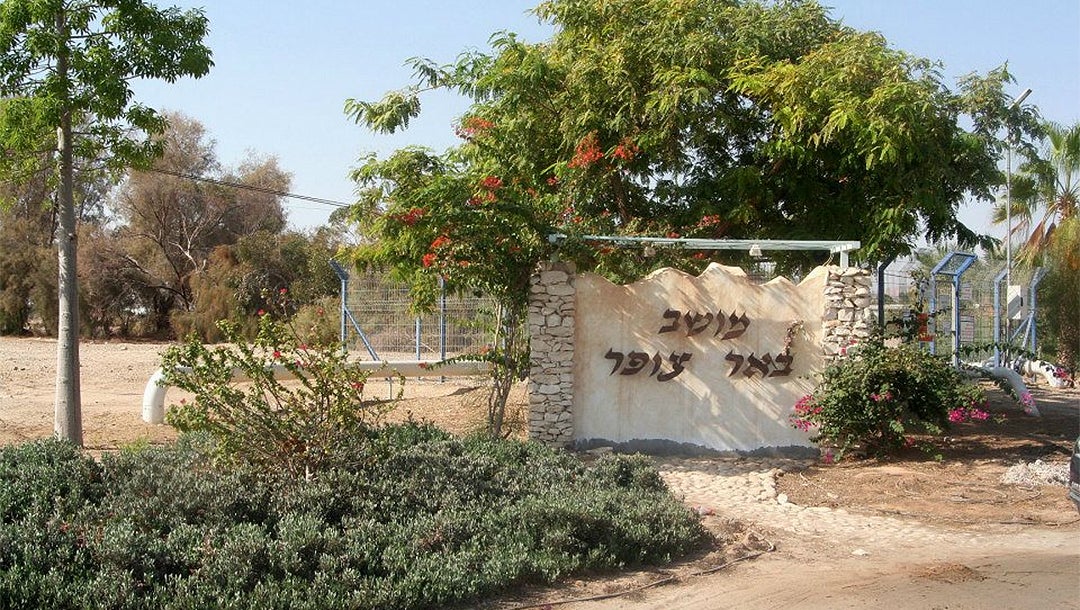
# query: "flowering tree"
[681,118]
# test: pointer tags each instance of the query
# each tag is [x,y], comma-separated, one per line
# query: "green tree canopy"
[679,118]
[703,118]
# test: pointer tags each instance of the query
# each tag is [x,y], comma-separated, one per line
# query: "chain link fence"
[908,289]
[380,322]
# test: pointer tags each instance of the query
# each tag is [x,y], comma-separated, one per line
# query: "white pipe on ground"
[1047,370]
[153,404]
[1015,381]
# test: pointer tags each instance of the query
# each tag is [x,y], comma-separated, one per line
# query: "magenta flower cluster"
[972,412]
[805,409]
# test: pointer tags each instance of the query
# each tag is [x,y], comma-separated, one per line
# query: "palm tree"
[1051,185]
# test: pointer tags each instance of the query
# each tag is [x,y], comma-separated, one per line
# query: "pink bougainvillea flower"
[261,312]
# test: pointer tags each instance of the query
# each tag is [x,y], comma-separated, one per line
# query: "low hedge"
[432,521]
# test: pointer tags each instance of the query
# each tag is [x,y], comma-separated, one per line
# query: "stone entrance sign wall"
[676,362]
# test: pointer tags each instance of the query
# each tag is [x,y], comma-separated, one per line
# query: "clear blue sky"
[284,69]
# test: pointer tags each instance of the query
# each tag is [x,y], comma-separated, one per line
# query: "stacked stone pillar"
[847,308]
[551,344]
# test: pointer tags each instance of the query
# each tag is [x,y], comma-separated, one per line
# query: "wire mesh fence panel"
[380,308]
[907,291]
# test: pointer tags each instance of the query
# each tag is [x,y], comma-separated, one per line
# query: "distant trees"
[1046,202]
[175,214]
[70,63]
[171,250]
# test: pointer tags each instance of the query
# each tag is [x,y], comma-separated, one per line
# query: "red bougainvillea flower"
[283,291]
[428,260]
[491,183]
[587,152]
[277,355]
[625,151]
[439,242]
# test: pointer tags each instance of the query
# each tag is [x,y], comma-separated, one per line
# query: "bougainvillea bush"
[875,398]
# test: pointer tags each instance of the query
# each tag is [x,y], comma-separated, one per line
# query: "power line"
[248,187]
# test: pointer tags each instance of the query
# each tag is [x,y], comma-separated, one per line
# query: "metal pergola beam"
[689,243]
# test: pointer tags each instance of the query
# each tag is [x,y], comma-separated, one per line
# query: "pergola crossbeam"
[689,243]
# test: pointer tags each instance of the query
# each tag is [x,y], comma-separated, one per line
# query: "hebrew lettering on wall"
[635,362]
[694,323]
[720,326]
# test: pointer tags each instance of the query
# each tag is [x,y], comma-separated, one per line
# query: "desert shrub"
[318,323]
[434,522]
[46,479]
[876,397]
[299,426]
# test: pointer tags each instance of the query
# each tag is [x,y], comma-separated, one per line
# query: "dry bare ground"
[1034,560]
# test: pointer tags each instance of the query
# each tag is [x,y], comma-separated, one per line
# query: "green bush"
[46,480]
[875,398]
[433,521]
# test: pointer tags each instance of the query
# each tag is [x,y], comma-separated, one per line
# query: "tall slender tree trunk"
[67,423]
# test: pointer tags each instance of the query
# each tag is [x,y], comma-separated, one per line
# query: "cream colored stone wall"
[714,362]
